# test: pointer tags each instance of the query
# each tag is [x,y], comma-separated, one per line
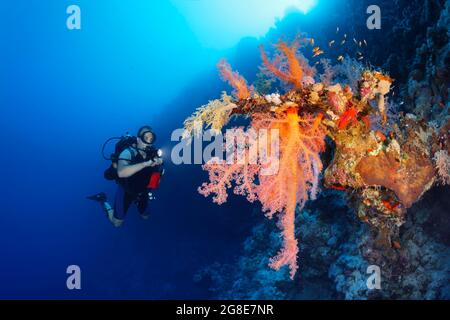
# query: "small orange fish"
[396,245]
[316,49]
[318,53]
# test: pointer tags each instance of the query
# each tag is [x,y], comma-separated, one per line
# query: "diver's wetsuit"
[133,188]
[123,200]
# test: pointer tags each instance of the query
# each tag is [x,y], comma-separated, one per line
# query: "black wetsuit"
[133,188]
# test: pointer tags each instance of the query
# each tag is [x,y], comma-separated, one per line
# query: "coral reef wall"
[336,248]
[413,45]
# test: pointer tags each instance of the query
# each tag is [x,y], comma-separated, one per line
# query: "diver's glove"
[152,162]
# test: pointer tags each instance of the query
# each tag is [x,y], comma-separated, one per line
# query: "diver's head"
[145,137]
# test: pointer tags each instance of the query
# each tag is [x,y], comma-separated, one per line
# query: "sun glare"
[222,23]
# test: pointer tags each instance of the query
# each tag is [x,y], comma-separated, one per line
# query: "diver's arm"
[125,170]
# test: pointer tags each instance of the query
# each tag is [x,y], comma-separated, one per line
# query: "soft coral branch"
[301,139]
[238,82]
[294,71]
[215,114]
[442,164]
[241,171]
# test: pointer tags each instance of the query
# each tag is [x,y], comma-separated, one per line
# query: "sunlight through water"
[221,24]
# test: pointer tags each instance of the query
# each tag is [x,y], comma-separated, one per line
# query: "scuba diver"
[137,169]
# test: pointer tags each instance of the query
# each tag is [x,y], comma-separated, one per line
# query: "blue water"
[62,94]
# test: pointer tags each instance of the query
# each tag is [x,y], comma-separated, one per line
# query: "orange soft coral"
[294,181]
[234,79]
[301,141]
[294,72]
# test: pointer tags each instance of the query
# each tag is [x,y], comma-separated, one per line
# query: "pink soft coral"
[442,164]
[295,181]
[238,168]
[221,176]
[301,141]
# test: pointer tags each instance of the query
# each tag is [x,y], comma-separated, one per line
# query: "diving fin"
[99,197]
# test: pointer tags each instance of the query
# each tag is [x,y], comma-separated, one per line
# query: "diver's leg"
[142,204]
[110,214]
[101,198]
[122,202]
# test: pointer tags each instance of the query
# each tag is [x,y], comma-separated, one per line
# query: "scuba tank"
[125,142]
